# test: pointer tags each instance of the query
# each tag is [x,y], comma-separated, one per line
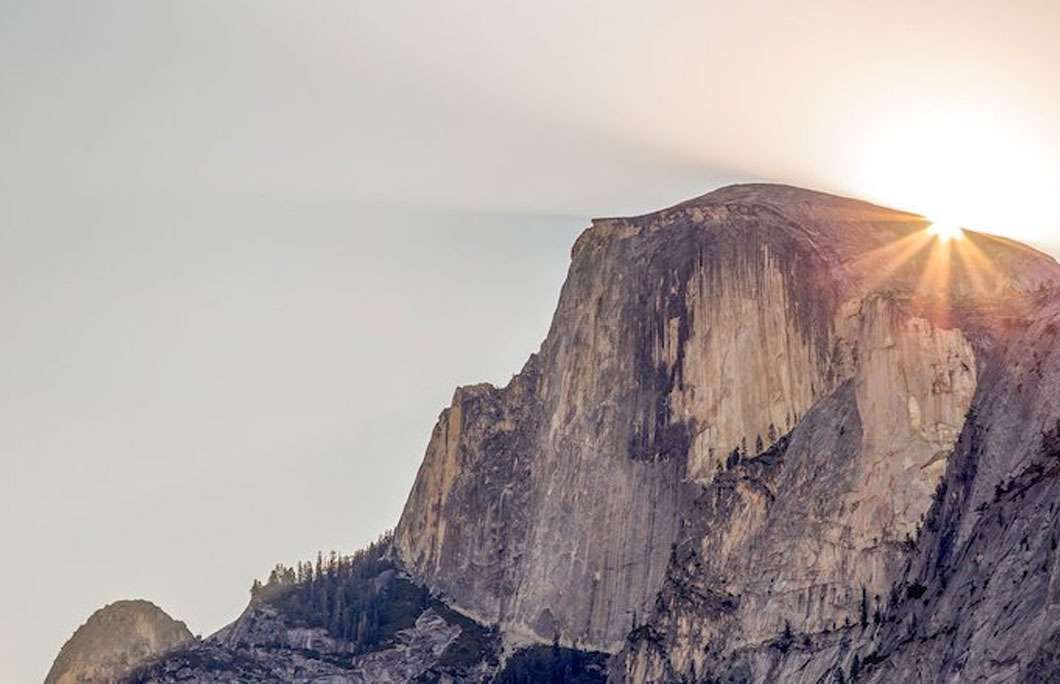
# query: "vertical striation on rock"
[977,599]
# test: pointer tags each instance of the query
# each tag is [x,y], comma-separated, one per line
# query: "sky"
[248,248]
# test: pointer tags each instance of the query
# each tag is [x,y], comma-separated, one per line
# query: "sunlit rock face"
[114,640]
[728,443]
[809,537]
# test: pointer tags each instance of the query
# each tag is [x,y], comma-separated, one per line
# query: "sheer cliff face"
[114,640]
[733,430]
[986,570]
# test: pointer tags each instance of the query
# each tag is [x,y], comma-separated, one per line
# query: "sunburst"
[947,262]
[946,231]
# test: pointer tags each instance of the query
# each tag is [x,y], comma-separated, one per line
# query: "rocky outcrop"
[281,638]
[267,650]
[114,640]
[730,439]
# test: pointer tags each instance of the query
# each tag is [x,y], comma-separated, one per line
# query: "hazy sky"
[248,248]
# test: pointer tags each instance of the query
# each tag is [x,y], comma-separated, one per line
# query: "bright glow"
[946,231]
[977,166]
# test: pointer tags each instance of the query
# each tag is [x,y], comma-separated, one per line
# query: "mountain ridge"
[756,420]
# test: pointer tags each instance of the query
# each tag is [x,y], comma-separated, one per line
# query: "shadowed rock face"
[261,648]
[114,640]
[731,437]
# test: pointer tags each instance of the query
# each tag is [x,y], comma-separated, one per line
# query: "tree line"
[358,598]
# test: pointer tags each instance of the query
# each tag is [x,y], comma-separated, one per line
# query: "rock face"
[114,640]
[723,457]
[978,598]
[970,598]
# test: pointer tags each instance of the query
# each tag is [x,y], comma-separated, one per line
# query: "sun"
[946,231]
[979,165]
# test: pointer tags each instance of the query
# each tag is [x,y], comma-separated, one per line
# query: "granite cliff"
[745,412]
[771,436]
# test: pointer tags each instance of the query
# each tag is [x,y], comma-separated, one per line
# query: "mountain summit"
[114,640]
[772,435]
[689,342]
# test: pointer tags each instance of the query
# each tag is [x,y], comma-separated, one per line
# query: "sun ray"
[939,262]
[982,272]
[935,278]
[884,262]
